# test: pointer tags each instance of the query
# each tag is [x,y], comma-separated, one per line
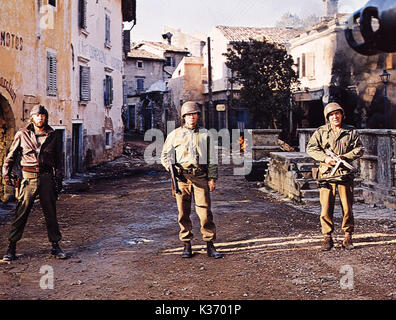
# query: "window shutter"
[107,32]
[127,41]
[311,65]
[52,86]
[303,63]
[108,90]
[106,103]
[85,83]
[82,16]
[111,89]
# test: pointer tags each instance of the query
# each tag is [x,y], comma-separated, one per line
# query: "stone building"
[35,64]
[148,68]
[142,70]
[186,84]
[97,84]
[194,42]
[329,70]
[59,54]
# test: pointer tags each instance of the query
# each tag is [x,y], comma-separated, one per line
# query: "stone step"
[314,193]
[307,183]
[305,166]
[312,184]
[316,201]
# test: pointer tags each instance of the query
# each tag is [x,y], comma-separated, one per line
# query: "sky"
[199,16]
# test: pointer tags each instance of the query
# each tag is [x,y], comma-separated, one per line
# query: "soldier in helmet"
[193,155]
[41,161]
[344,141]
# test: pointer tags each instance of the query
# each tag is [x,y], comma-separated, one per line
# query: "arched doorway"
[7,132]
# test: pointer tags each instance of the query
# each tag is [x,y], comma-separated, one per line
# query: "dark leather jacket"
[25,145]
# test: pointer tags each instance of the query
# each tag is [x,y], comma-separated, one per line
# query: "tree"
[266,74]
[290,20]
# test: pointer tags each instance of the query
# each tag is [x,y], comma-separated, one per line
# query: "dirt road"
[121,237]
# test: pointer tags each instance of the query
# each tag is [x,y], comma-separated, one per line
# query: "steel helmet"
[189,107]
[332,106]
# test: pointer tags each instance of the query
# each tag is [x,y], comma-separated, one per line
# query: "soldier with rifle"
[335,145]
[193,175]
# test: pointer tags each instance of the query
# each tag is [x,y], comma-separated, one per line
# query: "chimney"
[330,8]
[168,36]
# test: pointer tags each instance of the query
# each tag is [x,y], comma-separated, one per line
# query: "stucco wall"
[90,50]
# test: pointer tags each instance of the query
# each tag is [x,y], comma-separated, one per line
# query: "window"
[303,65]
[170,61]
[140,84]
[52,3]
[82,14]
[108,90]
[107,30]
[139,64]
[52,86]
[308,65]
[85,83]
[108,141]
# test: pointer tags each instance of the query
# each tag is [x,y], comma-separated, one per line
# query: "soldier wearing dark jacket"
[40,152]
[344,141]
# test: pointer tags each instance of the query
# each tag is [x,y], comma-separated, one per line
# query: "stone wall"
[264,141]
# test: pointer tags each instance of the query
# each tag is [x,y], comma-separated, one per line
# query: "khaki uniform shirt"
[346,143]
[190,148]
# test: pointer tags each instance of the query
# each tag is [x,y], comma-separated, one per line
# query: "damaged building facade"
[329,70]
[61,55]
[35,64]
[148,68]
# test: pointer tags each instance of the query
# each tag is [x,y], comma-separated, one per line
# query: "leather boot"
[187,252]
[327,243]
[57,251]
[212,251]
[347,243]
[11,252]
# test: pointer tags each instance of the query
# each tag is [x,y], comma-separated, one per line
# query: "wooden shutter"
[106,99]
[310,65]
[85,83]
[107,32]
[127,41]
[111,89]
[82,14]
[108,90]
[52,85]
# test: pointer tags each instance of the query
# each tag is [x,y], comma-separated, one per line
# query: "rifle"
[175,185]
[340,161]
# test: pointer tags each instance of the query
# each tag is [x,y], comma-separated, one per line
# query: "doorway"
[60,135]
[131,113]
[77,148]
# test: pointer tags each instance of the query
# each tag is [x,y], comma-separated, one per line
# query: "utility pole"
[210,113]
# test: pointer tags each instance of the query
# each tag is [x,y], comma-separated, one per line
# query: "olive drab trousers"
[327,201]
[197,188]
[33,185]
